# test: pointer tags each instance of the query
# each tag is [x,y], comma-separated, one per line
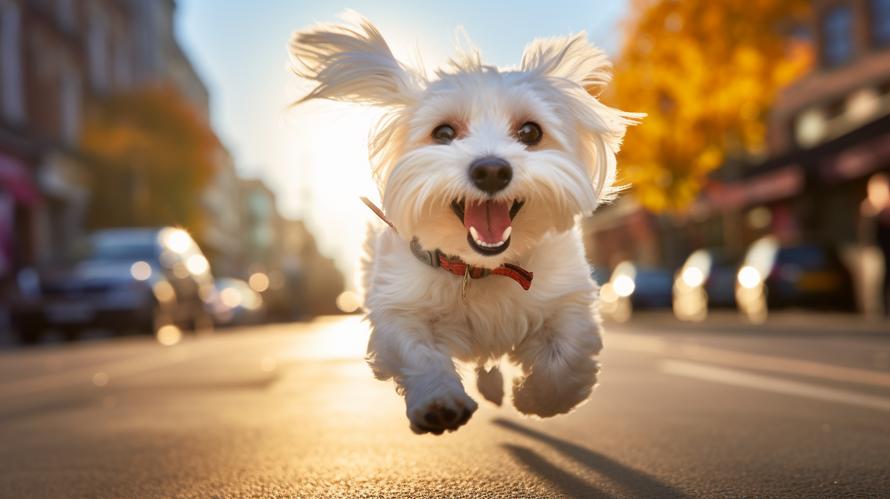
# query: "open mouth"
[489,223]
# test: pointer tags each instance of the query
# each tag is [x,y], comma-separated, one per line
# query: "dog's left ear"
[570,57]
[352,62]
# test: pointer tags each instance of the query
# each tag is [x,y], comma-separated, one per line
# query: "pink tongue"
[490,218]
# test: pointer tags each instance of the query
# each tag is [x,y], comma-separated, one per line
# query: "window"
[880,22]
[97,46]
[837,36]
[12,98]
[65,13]
[69,103]
[123,74]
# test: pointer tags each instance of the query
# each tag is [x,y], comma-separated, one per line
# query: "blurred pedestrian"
[877,206]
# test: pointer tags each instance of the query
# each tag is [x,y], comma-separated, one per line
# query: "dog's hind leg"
[558,363]
[490,383]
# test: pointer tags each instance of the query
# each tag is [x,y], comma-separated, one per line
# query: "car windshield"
[125,252]
[654,279]
[723,259]
[805,256]
[124,246]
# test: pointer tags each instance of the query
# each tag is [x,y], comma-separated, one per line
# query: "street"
[293,411]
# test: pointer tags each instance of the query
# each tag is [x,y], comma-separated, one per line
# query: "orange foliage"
[152,156]
[706,74]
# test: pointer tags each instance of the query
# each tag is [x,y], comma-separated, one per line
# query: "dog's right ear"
[352,62]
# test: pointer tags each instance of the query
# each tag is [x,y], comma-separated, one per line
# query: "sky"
[314,156]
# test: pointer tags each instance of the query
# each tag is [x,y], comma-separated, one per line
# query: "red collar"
[459,268]
[455,265]
[515,272]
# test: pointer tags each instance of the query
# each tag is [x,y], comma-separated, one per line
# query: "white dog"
[483,173]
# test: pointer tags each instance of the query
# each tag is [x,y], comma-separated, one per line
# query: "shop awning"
[16,180]
[774,185]
[851,155]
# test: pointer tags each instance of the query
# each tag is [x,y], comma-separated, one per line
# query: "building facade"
[56,58]
[303,282]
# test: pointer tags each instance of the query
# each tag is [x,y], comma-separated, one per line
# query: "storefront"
[19,198]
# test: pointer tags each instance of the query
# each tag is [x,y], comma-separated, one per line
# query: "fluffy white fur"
[420,322]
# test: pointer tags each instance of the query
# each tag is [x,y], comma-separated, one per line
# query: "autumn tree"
[706,74]
[151,154]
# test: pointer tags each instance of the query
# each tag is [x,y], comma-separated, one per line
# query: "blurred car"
[236,303]
[631,287]
[600,275]
[804,275]
[706,280]
[123,279]
[652,288]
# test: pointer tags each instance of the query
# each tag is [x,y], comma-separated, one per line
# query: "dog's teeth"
[506,233]
[478,240]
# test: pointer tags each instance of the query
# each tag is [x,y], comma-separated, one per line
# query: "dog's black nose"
[491,174]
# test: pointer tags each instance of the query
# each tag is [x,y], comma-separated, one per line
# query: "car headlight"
[692,277]
[624,286]
[141,270]
[749,277]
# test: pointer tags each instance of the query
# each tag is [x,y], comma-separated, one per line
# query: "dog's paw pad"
[440,415]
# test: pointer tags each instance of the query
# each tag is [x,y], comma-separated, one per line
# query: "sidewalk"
[781,322]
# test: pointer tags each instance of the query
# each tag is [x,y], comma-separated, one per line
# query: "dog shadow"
[632,482]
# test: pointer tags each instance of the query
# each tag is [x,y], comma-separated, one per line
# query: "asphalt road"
[292,411]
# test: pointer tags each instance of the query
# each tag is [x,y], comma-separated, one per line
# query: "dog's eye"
[529,133]
[444,134]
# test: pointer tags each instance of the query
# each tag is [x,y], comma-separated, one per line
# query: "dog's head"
[479,162]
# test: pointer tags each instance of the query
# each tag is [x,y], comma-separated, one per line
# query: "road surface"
[292,411]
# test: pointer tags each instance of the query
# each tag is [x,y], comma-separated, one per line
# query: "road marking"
[789,366]
[772,384]
[769,363]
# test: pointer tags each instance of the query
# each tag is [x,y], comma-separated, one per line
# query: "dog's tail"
[490,383]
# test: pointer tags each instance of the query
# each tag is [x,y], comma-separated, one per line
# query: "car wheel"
[70,335]
[153,321]
[30,336]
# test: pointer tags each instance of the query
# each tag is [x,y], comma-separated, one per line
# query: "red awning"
[857,161]
[779,184]
[15,179]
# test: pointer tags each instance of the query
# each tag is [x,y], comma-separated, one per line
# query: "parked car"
[122,279]
[706,280]
[652,288]
[236,303]
[630,287]
[601,275]
[807,275]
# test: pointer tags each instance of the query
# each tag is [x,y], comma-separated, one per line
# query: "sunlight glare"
[168,335]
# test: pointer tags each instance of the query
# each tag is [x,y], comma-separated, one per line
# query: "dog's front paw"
[439,408]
